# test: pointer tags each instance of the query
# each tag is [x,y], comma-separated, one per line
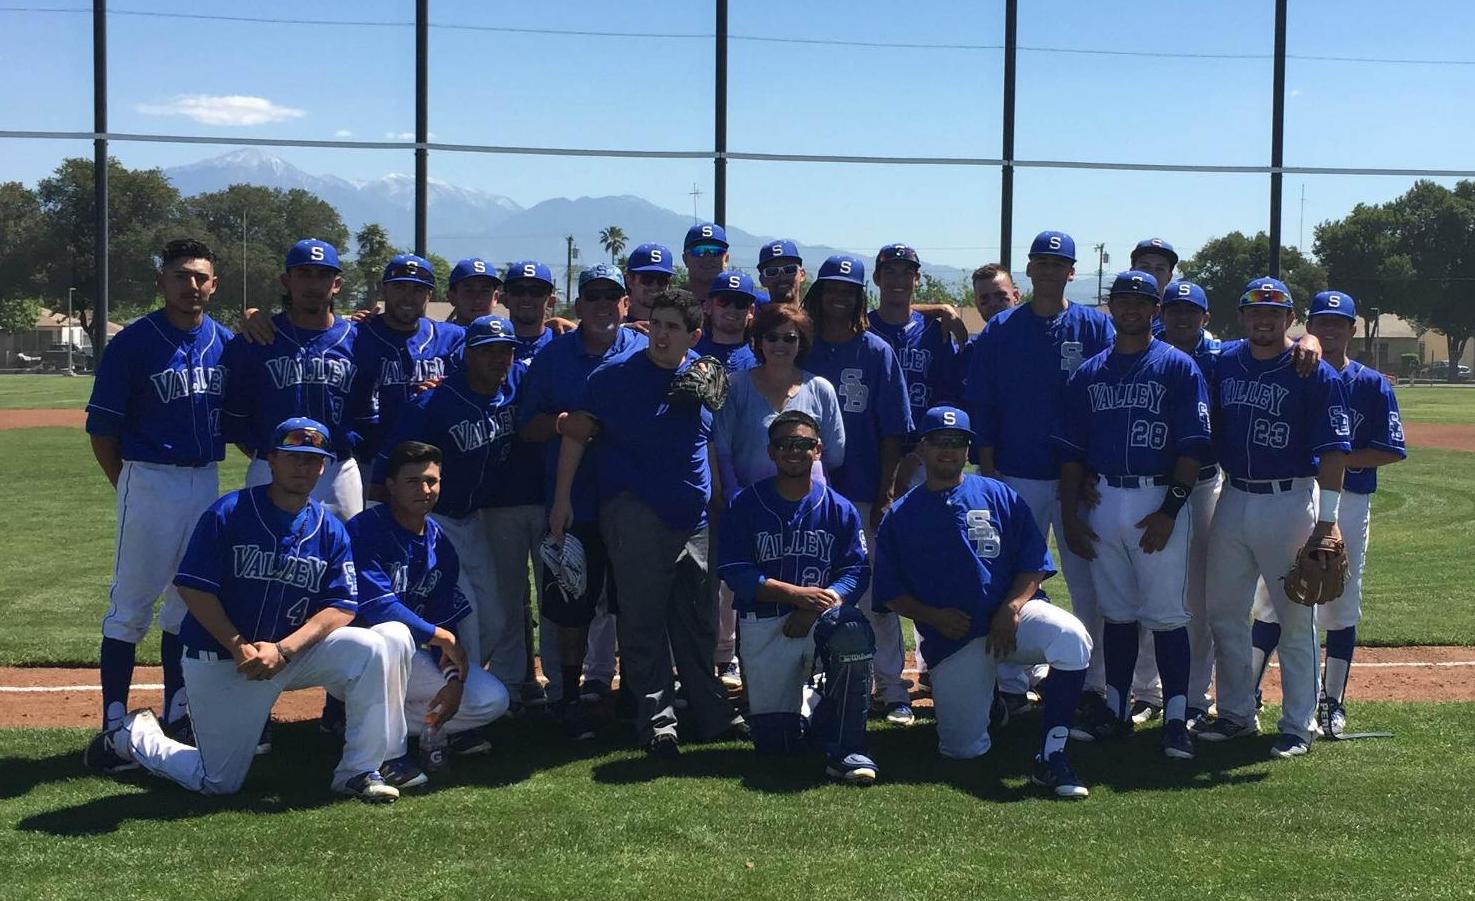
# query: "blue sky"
[496,80]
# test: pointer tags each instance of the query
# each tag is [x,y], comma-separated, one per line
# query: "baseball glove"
[566,561]
[1319,572]
[703,382]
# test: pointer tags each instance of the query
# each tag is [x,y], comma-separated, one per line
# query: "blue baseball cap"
[312,252]
[1155,245]
[901,252]
[300,435]
[733,281]
[1134,283]
[651,258]
[946,419]
[782,249]
[474,267]
[761,296]
[705,233]
[490,330]
[1180,291]
[1333,303]
[522,270]
[1266,292]
[1053,244]
[407,267]
[603,272]
[842,267]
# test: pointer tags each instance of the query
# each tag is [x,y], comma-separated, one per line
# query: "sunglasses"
[1264,296]
[524,289]
[776,271]
[739,301]
[652,278]
[795,442]
[304,438]
[775,338]
[414,272]
[706,250]
[601,296]
[948,442]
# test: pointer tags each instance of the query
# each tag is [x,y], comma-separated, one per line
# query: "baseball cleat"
[108,753]
[1331,717]
[1177,743]
[664,747]
[731,675]
[1145,712]
[852,769]
[1225,729]
[1098,723]
[900,714]
[1288,746]
[263,743]
[533,694]
[1056,775]
[594,690]
[576,726]
[402,773]
[181,730]
[472,741]
[1197,719]
[370,788]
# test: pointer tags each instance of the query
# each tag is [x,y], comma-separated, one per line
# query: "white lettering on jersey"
[806,543]
[983,534]
[1260,395]
[1129,396]
[254,562]
[287,371]
[1071,353]
[853,391]
[471,434]
[173,384]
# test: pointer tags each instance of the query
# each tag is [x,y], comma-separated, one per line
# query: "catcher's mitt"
[703,382]
[1319,573]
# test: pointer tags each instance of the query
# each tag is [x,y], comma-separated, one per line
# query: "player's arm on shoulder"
[948,317]
[1306,354]
[257,327]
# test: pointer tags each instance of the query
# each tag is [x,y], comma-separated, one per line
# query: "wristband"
[280,652]
[1331,501]
[451,673]
[1174,499]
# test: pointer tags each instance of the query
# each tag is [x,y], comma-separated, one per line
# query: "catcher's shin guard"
[845,645]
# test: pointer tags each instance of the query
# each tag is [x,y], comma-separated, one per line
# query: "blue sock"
[1060,692]
[171,652]
[1264,637]
[1171,649]
[1119,643]
[115,662]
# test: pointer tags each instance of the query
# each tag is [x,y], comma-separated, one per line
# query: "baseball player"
[781,271]
[1136,416]
[1377,440]
[727,311]
[793,553]
[648,271]
[308,369]
[408,573]
[470,417]
[962,557]
[1278,436]
[654,486]
[868,379]
[270,586]
[555,385]
[924,346]
[705,253]
[1013,391]
[474,288]
[994,290]
[154,424]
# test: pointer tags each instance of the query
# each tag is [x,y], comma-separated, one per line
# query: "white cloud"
[1296,92]
[406,135]
[228,110]
[342,133]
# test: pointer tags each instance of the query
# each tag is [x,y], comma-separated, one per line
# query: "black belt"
[1137,481]
[1271,486]
[773,611]
[206,655]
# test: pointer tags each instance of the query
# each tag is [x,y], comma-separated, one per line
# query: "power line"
[750,38]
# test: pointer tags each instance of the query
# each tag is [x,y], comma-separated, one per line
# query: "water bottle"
[433,756]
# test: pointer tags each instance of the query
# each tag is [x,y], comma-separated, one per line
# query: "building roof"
[50,319]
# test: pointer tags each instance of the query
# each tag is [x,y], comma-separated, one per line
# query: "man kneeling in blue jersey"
[962,557]
[407,573]
[270,586]
[794,554]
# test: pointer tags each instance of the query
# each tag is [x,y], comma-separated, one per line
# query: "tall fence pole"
[1006,173]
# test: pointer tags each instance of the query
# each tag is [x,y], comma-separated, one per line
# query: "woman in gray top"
[781,336]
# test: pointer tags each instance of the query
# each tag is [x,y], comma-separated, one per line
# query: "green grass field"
[44,392]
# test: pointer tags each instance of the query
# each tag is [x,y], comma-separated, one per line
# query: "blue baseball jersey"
[394,363]
[647,445]
[272,570]
[1375,421]
[960,548]
[1135,414]
[522,479]
[873,404]
[1269,422]
[158,391]
[734,357]
[818,540]
[473,431]
[404,577]
[302,372]
[1016,382]
[928,357]
[555,384]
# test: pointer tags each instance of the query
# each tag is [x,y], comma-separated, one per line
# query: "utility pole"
[243,265]
[695,193]
[70,292]
[1102,258]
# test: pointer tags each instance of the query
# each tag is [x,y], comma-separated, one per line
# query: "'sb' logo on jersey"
[983,534]
[853,391]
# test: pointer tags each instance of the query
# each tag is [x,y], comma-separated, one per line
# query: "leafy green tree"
[18,314]
[20,238]
[1224,265]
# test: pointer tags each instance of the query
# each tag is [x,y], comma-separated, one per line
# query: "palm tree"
[613,240]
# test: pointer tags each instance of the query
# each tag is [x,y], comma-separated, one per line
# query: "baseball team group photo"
[1080,549]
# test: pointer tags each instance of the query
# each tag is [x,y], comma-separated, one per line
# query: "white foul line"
[26,689]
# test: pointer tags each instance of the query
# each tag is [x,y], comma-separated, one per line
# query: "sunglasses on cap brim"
[304,438]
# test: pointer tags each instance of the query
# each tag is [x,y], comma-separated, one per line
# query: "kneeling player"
[793,553]
[407,573]
[962,557]
[270,589]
